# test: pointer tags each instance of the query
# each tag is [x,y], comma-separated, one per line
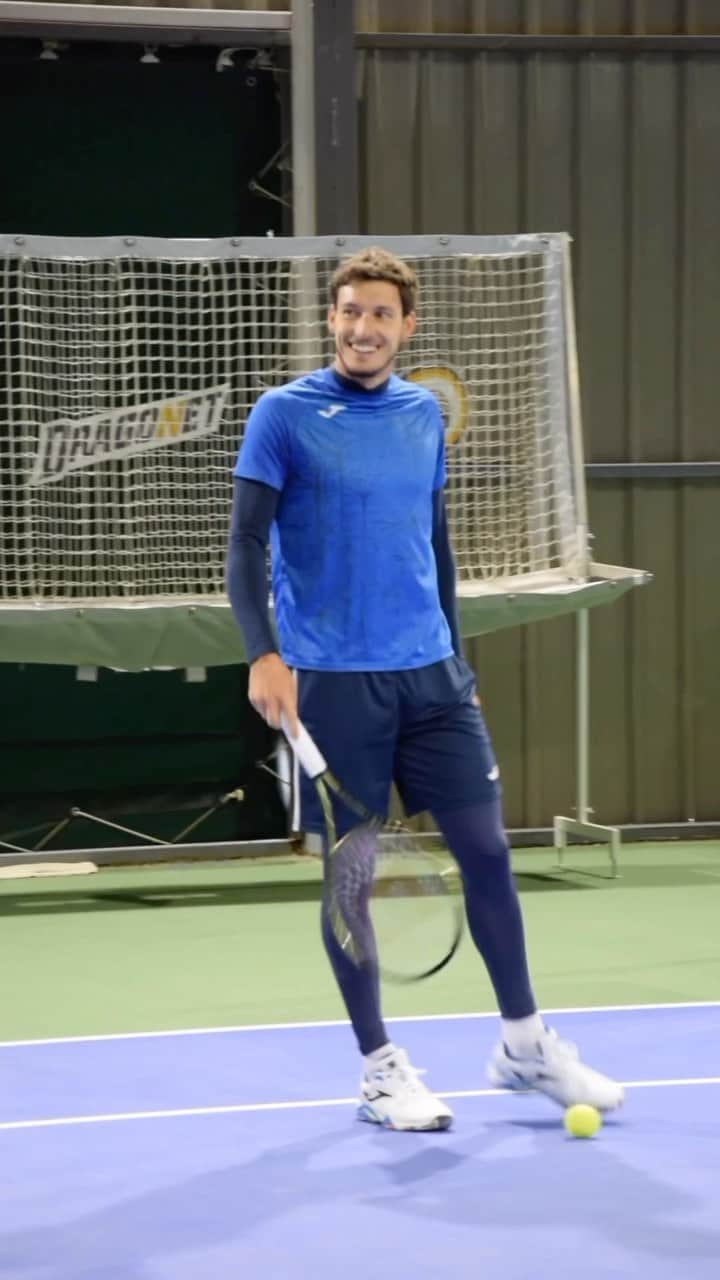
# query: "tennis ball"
[582,1121]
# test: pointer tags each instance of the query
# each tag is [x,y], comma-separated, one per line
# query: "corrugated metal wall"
[622,151]
[516,17]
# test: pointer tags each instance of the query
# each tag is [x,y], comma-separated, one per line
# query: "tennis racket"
[392,899]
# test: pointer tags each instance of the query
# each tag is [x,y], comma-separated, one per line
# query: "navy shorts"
[419,729]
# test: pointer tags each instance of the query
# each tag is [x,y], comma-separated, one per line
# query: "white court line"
[343,1022]
[307,1104]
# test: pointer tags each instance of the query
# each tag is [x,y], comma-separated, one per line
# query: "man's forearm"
[253,512]
[445,569]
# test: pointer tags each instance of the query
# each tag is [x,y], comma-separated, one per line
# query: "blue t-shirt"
[353,569]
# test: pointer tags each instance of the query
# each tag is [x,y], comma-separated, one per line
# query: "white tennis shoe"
[557,1071]
[393,1095]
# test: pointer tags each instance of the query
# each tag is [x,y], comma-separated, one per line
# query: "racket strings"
[392,906]
[354,860]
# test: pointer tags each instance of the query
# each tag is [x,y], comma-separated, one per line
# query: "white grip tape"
[311,759]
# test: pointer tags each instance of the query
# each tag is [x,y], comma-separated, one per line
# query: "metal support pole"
[302,62]
[582,694]
[304,353]
[323,118]
[581,824]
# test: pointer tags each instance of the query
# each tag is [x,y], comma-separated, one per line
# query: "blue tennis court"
[235,1152]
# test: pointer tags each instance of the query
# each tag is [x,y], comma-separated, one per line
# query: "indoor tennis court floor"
[235,1152]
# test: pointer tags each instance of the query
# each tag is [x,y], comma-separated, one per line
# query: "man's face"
[369,328]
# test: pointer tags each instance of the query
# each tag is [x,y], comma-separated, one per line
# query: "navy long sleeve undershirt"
[445,562]
[253,511]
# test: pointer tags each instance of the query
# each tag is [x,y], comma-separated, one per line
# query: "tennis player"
[342,471]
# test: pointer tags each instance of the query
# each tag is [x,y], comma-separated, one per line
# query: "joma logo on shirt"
[331,410]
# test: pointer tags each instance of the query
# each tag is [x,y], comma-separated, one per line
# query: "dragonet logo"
[73,443]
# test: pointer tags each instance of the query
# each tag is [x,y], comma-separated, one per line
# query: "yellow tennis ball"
[582,1121]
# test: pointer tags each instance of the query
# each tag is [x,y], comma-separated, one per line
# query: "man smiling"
[343,470]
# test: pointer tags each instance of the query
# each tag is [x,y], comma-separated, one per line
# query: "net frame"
[96,391]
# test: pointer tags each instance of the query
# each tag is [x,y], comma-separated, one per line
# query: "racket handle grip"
[311,759]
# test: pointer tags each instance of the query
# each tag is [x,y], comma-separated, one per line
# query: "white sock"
[521,1035]
[379,1055]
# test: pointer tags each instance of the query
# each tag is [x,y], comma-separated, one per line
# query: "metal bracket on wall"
[593,831]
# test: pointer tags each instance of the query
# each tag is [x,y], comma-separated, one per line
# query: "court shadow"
[89,895]
[127,1239]
[553,1184]
[340,1199]
[540,882]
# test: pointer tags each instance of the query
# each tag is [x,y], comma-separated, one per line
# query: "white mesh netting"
[125,383]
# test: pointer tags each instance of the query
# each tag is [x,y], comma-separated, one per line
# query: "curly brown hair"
[377,264]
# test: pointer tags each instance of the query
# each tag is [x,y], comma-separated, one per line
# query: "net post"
[581,825]
[558,331]
[577,459]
